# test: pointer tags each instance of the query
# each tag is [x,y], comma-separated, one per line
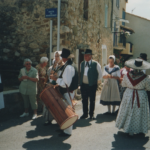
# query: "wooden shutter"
[117,3]
[85,9]
[123,17]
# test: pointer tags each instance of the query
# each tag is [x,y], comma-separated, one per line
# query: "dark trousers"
[88,92]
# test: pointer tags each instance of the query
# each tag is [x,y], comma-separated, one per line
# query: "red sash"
[134,83]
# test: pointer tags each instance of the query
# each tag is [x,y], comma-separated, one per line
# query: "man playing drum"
[68,82]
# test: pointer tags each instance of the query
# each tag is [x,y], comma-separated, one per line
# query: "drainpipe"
[112,14]
[58,26]
[51,33]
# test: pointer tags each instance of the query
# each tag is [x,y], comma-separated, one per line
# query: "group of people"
[125,88]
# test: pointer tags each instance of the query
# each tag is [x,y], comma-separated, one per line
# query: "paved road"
[100,134]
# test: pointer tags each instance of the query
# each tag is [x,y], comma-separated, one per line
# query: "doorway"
[104,56]
[79,59]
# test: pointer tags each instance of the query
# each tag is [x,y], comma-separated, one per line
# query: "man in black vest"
[68,82]
[90,74]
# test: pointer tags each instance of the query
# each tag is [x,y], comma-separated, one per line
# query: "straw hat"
[138,64]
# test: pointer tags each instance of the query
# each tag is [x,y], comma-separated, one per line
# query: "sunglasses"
[28,64]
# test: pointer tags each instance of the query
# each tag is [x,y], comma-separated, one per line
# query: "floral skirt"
[131,117]
[122,90]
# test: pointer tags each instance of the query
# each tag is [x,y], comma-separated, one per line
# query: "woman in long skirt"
[110,93]
[133,116]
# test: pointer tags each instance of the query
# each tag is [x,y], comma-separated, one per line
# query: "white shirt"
[67,76]
[98,70]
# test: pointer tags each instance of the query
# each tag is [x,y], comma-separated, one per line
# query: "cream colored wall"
[141,37]
[122,6]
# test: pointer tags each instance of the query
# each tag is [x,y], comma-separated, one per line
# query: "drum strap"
[72,101]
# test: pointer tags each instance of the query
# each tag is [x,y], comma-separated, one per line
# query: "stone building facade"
[25,32]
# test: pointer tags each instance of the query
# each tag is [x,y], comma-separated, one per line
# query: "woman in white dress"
[55,69]
[133,116]
[110,93]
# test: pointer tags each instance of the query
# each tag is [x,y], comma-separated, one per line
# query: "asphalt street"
[99,134]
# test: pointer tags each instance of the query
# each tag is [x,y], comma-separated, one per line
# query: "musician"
[90,74]
[55,69]
[67,81]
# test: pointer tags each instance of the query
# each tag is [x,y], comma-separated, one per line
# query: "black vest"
[74,84]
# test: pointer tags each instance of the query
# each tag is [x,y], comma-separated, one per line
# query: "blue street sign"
[51,13]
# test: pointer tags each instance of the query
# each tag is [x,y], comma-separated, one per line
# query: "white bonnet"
[59,52]
[112,56]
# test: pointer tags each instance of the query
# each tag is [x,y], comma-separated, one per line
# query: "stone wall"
[25,30]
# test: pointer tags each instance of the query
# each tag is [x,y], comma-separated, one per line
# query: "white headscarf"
[59,52]
[114,58]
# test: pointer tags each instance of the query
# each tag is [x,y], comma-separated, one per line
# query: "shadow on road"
[53,141]
[82,123]
[13,121]
[124,142]
[105,118]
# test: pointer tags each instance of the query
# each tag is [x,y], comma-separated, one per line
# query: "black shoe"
[83,116]
[92,117]
[47,123]
[116,112]
[64,135]
[107,113]
[59,131]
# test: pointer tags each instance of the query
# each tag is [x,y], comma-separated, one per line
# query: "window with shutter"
[123,17]
[117,3]
[85,8]
[106,15]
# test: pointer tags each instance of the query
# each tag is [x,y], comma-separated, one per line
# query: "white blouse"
[67,76]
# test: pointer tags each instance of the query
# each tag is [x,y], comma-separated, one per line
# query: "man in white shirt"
[67,79]
[89,76]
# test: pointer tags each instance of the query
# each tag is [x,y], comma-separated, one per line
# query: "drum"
[58,107]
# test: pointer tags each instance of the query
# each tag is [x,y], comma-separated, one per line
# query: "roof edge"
[138,16]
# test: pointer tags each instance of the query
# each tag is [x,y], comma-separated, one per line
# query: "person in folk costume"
[90,75]
[110,93]
[147,72]
[56,70]
[67,82]
[133,116]
[123,72]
